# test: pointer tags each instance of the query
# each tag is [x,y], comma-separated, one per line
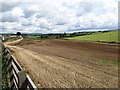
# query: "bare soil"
[67,63]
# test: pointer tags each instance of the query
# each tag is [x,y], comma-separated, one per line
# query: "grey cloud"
[83,8]
[44,26]
[12,16]
[61,23]
[46,10]
[29,13]
[26,24]
[7,6]
[30,9]
[8,17]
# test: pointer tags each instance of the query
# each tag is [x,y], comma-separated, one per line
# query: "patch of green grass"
[33,37]
[109,62]
[101,37]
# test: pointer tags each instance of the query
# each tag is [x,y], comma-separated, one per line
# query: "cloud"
[12,16]
[60,15]
[8,5]
[30,10]
[10,27]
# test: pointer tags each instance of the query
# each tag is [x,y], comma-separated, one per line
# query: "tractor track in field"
[67,64]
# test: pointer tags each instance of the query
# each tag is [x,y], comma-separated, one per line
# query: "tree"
[57,37]
[64,35]
[18,34]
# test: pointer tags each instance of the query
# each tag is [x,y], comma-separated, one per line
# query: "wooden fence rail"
[19,79]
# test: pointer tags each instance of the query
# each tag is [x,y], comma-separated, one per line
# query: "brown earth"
[67,63]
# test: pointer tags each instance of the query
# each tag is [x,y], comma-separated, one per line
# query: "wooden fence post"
[22,80]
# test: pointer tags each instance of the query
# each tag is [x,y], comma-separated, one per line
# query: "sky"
[57,16]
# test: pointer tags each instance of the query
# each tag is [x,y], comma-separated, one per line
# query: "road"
[58,64]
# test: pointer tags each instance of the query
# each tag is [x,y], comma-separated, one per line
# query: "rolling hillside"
[103,37]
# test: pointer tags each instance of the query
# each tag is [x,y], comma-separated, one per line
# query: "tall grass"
[5,75]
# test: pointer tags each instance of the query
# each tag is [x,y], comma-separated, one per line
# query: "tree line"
[58,35]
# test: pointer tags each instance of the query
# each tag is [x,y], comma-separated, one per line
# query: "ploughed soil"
[67,63]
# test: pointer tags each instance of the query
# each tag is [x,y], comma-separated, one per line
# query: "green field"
[32,37]
[100,37]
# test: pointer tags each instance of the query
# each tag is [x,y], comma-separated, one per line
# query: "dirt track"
[67,64]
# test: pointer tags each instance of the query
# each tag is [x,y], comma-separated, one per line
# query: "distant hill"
[99,36]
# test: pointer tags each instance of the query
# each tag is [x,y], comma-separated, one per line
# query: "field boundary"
[19,79]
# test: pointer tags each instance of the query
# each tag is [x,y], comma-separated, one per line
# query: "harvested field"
[67,63]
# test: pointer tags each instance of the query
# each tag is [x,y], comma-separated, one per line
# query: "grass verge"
[109,62]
